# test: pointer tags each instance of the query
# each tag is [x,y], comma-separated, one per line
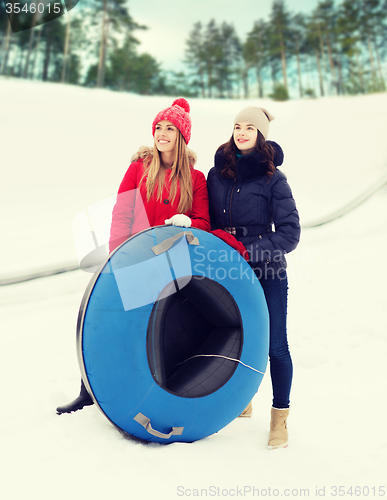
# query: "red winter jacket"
[133,213]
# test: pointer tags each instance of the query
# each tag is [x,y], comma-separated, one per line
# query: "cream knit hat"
[259,117]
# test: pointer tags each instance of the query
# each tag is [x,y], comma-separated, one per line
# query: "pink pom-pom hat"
[178,114]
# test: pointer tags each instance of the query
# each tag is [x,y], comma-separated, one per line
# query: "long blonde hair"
[180,174]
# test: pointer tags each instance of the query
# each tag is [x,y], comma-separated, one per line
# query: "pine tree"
[53,35]
[6,27]
[280,34]
[314,49]
[128,71]
[373,16]
[195,56]
[325,15]
[66,49]
[297,34]
[348,29]
[114,20]
[228,62]
[211,47]
[30,43]
[256,51]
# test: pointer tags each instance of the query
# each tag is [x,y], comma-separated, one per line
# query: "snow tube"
[172,335]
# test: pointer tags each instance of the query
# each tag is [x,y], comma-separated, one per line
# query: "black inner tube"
[191,318]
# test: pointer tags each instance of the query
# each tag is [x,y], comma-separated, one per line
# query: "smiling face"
[165,137]
[245,137]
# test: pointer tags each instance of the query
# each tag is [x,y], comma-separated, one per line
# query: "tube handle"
[166,244]
[146,423]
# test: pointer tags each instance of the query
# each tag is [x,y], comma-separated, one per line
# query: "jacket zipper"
[232,192]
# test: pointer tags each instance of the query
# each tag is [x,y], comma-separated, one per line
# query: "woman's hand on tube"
[179,220]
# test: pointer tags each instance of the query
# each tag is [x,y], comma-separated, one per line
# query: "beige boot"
[278,437]
[248,411]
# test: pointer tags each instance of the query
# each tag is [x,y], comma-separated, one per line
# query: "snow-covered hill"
[64,148]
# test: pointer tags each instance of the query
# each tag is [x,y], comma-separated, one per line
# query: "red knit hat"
[178,114]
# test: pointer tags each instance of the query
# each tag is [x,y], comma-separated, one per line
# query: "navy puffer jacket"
[252,204]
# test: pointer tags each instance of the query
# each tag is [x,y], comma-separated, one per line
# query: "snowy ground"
[65,148]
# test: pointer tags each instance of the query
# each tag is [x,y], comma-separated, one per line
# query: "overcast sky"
[170,22]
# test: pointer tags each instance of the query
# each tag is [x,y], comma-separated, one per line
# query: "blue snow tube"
[172,335]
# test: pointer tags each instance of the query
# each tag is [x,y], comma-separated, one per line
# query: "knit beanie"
[178,114]
[259,117]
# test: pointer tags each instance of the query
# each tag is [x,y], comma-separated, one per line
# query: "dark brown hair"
[230,151]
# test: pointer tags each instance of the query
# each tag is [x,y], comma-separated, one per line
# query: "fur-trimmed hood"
[145,151]
[253,165]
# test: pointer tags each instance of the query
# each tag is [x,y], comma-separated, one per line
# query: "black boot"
[82,400]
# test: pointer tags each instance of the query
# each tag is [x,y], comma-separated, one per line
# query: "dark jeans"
[281,366]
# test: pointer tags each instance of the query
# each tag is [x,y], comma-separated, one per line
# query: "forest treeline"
[338,48]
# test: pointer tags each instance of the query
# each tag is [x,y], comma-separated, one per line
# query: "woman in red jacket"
[160,187]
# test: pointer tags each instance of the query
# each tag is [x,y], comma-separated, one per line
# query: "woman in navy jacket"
[251,199]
